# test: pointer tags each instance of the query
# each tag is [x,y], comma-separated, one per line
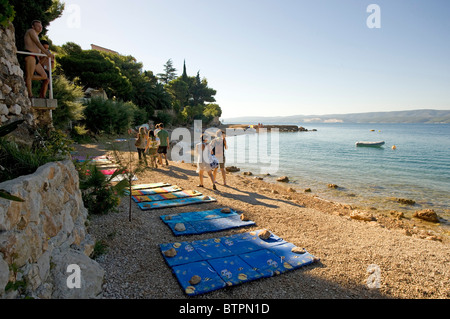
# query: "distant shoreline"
[423,116]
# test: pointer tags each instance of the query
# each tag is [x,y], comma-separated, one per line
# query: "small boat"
[370,144]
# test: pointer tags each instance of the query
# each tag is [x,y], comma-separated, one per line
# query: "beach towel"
[102,158]
[196,223]
[176,202]
[166,196]
[149,186]
[107,166]
[121,177]
[230,260]
[153,191]
[110,171]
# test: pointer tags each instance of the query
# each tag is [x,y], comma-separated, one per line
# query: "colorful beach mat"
[102,158]
[121,177]
[176,202]
[231,260]
[166,196]
[195,223]
[111,171]
[149,186]
[154,191]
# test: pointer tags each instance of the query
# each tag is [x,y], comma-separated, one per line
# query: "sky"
[282,57]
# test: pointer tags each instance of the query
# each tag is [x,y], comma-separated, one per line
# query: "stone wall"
[14,101]
[42,236]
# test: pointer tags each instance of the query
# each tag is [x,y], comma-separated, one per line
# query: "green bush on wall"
[7,13]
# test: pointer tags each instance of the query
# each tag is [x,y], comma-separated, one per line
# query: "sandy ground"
[412,256]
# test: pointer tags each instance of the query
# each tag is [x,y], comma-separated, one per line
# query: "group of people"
[155,143]
[211,157]
[210,153]
[37,67]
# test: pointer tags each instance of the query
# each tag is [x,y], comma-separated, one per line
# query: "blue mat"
[231,260]
[210,279]
[204,222]
[176,202]
[186,253]
[234,271]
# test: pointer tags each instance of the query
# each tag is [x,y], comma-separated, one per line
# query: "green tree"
[200,92]
[110,117]
[179,92]
[191,113]
[69,106]
[45,11]
[211,111]
[91,68]
[70,48]
[7,13]
[169,73]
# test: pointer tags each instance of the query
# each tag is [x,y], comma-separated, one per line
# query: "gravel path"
[412,257]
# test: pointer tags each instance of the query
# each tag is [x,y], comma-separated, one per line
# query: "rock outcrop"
[42,236]
[428,215]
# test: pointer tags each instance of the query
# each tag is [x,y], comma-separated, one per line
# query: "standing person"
[44,61]
[164,144]
[152,147]
[141,144]
[219,145]
[203,152]
[32,65]
[157,129]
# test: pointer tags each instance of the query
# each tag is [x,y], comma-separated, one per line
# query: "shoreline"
[384,203]
[409,253]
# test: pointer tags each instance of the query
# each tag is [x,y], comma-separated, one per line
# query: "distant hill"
[414,116]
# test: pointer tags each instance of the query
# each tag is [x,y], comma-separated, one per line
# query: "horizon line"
[332,114]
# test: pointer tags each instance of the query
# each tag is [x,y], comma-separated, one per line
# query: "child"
[152,147]
[141,145]
[203,151]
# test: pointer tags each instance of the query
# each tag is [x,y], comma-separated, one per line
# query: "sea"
[413,164]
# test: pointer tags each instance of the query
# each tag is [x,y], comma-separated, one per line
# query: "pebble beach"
[411,256]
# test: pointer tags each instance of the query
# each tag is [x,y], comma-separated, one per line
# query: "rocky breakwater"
[44,235]
[281,128]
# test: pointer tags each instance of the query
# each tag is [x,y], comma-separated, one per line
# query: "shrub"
[99,195]
[110,117]
[17,160]
[69,109]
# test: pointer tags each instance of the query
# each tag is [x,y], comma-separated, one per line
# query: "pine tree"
[169,73]
[184,77]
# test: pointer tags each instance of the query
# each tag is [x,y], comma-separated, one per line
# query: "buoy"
[394,147]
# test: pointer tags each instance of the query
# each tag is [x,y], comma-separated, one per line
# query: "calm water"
[418,169]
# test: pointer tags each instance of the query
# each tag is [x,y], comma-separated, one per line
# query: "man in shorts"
[33,69]
[164,144]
